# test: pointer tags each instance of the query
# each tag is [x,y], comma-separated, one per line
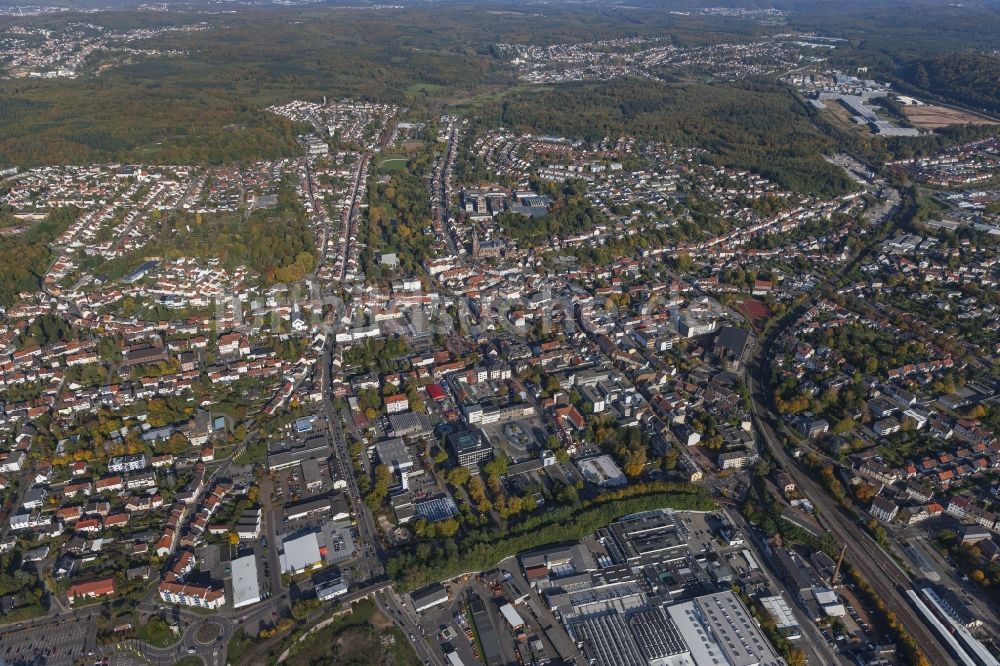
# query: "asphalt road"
[369,544]
[70,637]
[403,617]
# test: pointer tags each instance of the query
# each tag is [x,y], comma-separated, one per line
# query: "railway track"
[875,565]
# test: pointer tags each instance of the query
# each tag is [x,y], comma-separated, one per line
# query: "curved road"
[874,564]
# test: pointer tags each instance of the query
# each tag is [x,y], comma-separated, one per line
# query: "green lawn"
[420,88]
[253,453]
[490,95]
[156,632]
[392,163]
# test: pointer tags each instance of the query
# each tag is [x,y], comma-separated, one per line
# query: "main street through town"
[370,545]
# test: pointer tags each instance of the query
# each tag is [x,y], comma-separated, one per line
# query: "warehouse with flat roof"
[781,613]
[246,584]
[312,477]
[284,454]
[718,629]
[300,554]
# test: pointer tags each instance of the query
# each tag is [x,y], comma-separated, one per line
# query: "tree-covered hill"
[966,78]
[759,127]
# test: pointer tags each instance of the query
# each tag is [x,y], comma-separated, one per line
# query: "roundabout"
[208,633]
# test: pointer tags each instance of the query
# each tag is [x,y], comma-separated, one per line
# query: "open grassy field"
[422,88]
[391,163]
[934,117]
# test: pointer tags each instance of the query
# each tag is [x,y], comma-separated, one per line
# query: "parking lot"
[289,485]
[52,644]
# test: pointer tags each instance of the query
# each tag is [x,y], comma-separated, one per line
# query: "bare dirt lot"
[933,117]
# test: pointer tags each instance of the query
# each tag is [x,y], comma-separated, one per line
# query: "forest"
[398,212]
[206,106]
[150,117]
[25,257]
[890,29]
[760,127]
[276,243]
[966,78]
